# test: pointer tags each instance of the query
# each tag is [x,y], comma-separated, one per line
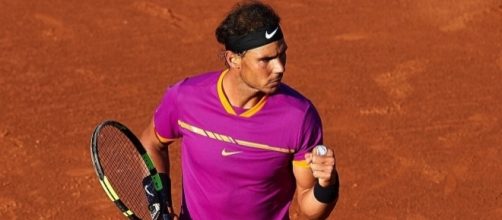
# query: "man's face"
[262,67]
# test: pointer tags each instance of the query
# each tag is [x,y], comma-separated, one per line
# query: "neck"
[238,92]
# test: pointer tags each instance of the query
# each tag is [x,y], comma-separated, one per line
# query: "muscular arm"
[322,169]
[156,148]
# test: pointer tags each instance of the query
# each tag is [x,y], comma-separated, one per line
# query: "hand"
[169,216]
[159,203]
[323,167]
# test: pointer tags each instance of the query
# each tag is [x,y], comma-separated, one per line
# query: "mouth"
[275,82]
[278,79]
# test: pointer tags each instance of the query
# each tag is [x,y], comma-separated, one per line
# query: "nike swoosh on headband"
[268,36]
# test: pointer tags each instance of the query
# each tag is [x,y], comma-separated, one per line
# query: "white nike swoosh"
[148,191]
[268,36]
[226,153]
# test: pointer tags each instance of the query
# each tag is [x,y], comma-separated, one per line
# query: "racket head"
[121,163]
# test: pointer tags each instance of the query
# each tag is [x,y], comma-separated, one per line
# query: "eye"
[266,59]
[282,56]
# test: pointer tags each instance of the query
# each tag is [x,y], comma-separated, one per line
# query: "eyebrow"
[283,50]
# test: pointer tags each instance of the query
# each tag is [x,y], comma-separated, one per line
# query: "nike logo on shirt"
[226,153]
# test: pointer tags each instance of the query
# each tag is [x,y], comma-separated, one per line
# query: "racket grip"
[152,197]
[159,202]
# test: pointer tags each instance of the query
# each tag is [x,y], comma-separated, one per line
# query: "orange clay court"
[409,92]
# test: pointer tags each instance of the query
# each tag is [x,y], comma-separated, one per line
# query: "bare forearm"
[312,208]
[160,159]
[155,149]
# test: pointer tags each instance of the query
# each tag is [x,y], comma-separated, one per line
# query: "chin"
[270,91]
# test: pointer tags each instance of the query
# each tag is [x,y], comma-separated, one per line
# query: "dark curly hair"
[244,18]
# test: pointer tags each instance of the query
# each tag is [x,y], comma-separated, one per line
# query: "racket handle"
[158,202]
[152,198]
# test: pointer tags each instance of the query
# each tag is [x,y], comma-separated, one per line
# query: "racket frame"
[103,180]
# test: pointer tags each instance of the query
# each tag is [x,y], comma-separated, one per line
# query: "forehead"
[271,49]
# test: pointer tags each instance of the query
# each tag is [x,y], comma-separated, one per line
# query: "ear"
[233,60]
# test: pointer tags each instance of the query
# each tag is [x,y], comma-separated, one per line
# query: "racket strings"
[124,169]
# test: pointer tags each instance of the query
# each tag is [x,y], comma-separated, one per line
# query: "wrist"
[166,187]
[325,183]
[327,193]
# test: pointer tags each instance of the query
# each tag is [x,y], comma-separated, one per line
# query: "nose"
[279,66]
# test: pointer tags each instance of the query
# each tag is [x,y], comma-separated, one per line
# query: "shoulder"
[290,97]
[195,84]
[199,81]
[202,79]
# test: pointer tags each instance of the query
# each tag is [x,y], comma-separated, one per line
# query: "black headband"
[254,39]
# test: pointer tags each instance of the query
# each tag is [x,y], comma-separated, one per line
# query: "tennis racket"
[122,165]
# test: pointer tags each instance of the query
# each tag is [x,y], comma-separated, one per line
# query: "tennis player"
[246,137]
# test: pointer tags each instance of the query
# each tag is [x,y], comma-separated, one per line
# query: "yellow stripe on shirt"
[228,139]
[301,163]
[226,103]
